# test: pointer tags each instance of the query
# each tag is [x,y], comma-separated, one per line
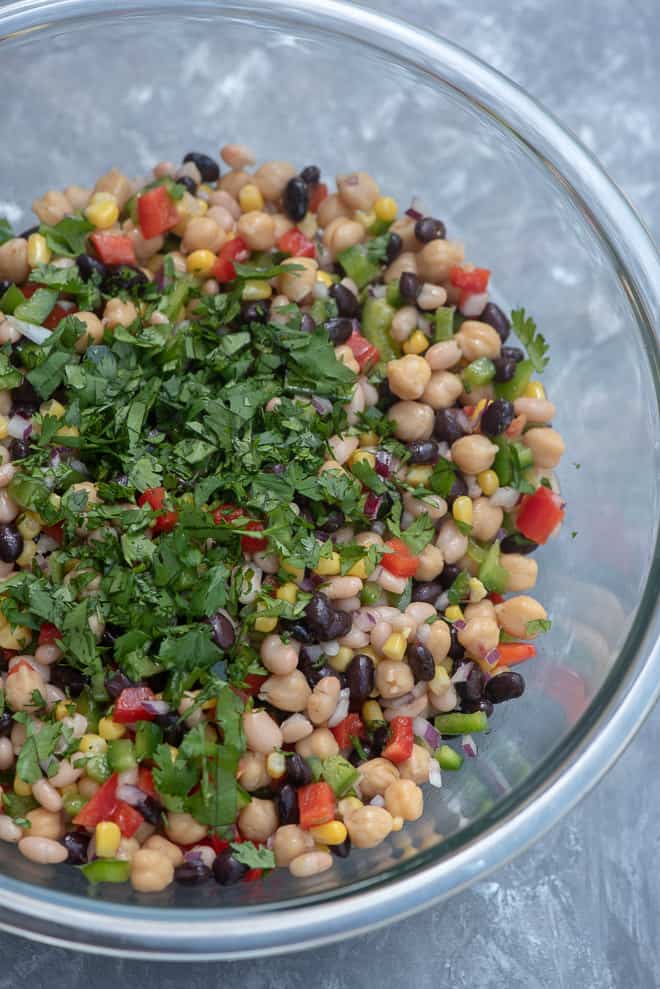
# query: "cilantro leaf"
[251,270]
[37,307]
[38,748]
[418,534]
[67,238]
[525,329]
[247,853]
[442,479]
[538,625]
[9,376]
[173,776]
[187,647]
[460,588]
[69,281]
[6,232]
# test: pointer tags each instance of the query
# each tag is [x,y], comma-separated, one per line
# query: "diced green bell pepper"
[98,768]
[461,724]
[444,323]
[11,299]
[339,773]
[107,871]
[477,373]
[121,755]
[148,736]
[370,593]
[377,317]
[515,387]
[491,573]
[393,296]
[448,758]
[355,262]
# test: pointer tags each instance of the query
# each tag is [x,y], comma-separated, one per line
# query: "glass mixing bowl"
[88,85]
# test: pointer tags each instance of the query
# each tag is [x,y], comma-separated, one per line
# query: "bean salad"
[272,474]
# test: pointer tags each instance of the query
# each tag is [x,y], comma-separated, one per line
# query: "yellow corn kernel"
[319,847]
[69,788]
[308,225]
[287,592]
[13,638]
[366,217]
[397,824]
[107,837]
[276,765]
[362,457]
[386,208]
[478,409]
[324,278]
[110,730]
[52,408]
[359,569]
[419,475]
[265,624]
[328,566]
[447,664]
[250,198]
[477,590]
[440,680]
[103,211]
[68,431]
[91,744]
[368,439]
[256,289]
[27,556]
[453,613]
[38,250]
[395,646]
[372,711]
[21,789]
[332,833]
[416,343]
[289,568]
[200,263]
[347,805]
[155,263]
[63,710]
[534,390]
[29,525]
[368,651]
[4,427]
[208,705]
[488,481]
[462,510]
[341,660]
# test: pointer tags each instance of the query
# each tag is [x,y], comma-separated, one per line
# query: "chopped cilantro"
[538,626]
[460,588]
[6,232]
[525,329]
[67,238]
[247,853]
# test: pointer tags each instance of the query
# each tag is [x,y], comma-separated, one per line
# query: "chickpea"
[289,842]
[480,609]
[486,519]
[343,446]
[8,830]
[406,262]
[403,323]
[222,217]
[432,505]
[522,571]
[324,699]
[546,445]
[515,614]
[203,233]
[258,820]
[342,233]
[262,733]
[408,376]
[77,196]
[375,776]
[20,686]
[14,265]
[473,454]
[119,313]
[477,394]
[183,829]
[431,297]
[252,771]
[479,636]
[127,849]
[94,332]
[52,207]
[45,824]
[445,701]
[297,284]
[6,754]
[296,728]
[442,389]
[116,183]
[151,872]
[272,177]
[358,190]
[331,208]
[170,851]
[344,354]
[403,798]
[443,356]
[393,679]
[257,230]
[42,850]
[436,638]
[321,743]
[237,155]
[341,588]
[478,340]
[452,543]
[413,421]
[535,409]
[438,257]
[369,826]
[310,864]
[288,693]
[279,657]
[417,766]
[232,182]
[431,563]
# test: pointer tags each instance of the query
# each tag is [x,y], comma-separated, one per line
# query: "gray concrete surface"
[579,909]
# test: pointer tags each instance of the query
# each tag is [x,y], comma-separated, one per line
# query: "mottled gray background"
[580,909]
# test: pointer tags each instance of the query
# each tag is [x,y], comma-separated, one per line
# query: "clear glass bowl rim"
[623,701]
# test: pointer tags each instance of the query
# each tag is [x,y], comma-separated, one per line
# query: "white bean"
[42,850]
[6,753]
[8,830]
[47,795]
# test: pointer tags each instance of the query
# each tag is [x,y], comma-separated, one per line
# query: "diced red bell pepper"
[127,818]
[295,243]
[495,597]
[253,682]
[146,781]
[100,806]
[218,844]
[317,193]
[114,248]
[233,250]
[364,352]
[226,514]
[157,212]
[48,633]
[153,497]
[129,706]
[57,313]
[400,746]
[166,521]
[470,281]
[515,427]
[512,653]
[539,515]
[401,562]
[252,875]
[316,804]
[253,544]
[18,666]
[55,532]
[352,725]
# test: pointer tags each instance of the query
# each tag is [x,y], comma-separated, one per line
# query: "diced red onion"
[322,405]
[435,774]
[424,729]
[469,746]
[473,488]
[365,619]
[193,855]
[341,710]
[156,707]
[131,794]
[91,849]
[377,801]
[462,673]
[128,778]
[314,652]
[464,422]
[330,648]
[378,291]
[384,463]
[412,212]
[460,624]
[19,427]
[37,334]
[372,505]
[443,601]
[412,695]
[474,304]
[492,656]
[505,498]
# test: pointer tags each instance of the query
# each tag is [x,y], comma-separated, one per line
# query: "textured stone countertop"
[579,909]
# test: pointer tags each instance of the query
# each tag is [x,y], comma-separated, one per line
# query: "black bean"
[11,543]
[428,228]
[76,844]
[505,368]
[334,521]
[340,625]
[287,805]
[472,688]
[208,167]
[504,687]
[6,724]
[367,751]
[192,872]
[227,870]
[19,449]
[151,809]
[338,329]
[518,544]
[295,199]
[116,683]
[28,233]
[298,772]
[307,323]
[448,427]
[314,672]
[347,301]
[298,631]
[449,574]
[386,397]
[311,174]
[87,265]
[188,183]
[157,682]
[457,490]
[456,650]
[513,352]
[319,615]
[343,850]
[379,739]
[71,681]
[409,287]
[494,316]
[423,452]
[427,591]
[497,417]
[256,312]
[393,247]
[222,630]
[25,394]
[420,661]
[469,707]
[173,729]
[4,285]
[125,278]
[360,678]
